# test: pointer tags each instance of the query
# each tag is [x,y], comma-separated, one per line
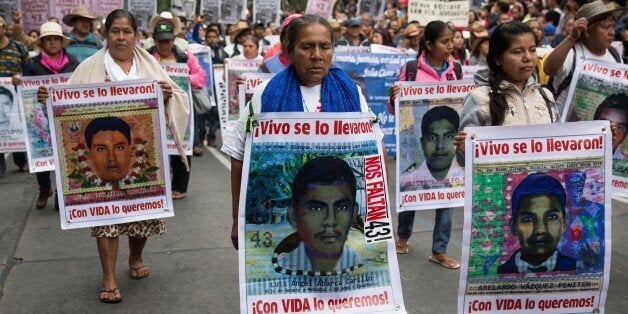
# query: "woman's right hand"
[459,141]
[579,26]
[392,93]
[42,94]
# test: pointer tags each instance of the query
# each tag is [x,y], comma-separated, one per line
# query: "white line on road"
[223,160]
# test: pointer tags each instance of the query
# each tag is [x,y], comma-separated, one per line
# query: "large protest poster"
[233,73]
[230,11]
[33,15]
[35,120]
[375,74]
[11,125]
[598,92]
[251,81]
[180,74]
[210,9]
[104,7]
[7,7]
[323,8]
[143,10]
[374,7]
[185,8]
[315,231]
[425,11]
[204,56]
[537,223]
[429,117]
[109,140]
[265,11]
[222,101]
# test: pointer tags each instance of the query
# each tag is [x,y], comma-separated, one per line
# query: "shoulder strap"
[615,54]
[458,70]
[548,103]
[411,70]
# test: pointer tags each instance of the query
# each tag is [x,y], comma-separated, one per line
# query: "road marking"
[620,199]
[216,153]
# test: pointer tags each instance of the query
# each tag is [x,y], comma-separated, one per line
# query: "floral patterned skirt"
[139,229]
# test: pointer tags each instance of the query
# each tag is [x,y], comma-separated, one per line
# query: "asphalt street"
[194,268]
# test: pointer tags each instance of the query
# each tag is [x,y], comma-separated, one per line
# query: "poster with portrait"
[375,74]
[374,7]
[425,11]
[321,8]
[35,120]
[185,8]
[429,117]
[143,10]
[230,11]
[210,9]
[315,229]
[537,219]
[265,11]
[233,72]
[220,86]
[179,73]
[251,81]
[12,137]
[109,139]
[204,56]
[598,91]
[7,7]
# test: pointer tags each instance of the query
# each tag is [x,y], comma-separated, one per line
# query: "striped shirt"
[13,58]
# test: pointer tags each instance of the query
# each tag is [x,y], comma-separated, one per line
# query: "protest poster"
[265,11]
[321,8]
[233,72]
[35,121]
[537,219]
[429,117]
[221,97]
[230,11]
[143,10]
[598,92]
[109,141]
[12,137]
[210,9]
[374,7]
[468,71]
[179,73]
[375,74]
[33,14]
[185,8]
[329,165]
[425,11]
[204,56]
[7,7]
[251,81]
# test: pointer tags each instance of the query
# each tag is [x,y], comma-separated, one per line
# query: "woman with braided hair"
[508,93]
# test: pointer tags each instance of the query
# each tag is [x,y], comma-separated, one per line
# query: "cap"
[164,30]
[353,22]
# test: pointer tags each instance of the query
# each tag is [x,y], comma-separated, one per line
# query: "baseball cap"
[164,30]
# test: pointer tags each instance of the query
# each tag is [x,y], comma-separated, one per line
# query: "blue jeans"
[440,235]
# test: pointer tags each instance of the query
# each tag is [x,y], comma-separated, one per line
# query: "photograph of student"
[108,140]
[614,108]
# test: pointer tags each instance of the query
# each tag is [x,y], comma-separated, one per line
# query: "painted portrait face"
[539,226]
[438,145]
[323,218]
[110,153]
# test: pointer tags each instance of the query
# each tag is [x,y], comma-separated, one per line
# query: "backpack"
[567,81]
[411,67]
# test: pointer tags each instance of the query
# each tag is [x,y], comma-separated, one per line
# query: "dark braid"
[497,100]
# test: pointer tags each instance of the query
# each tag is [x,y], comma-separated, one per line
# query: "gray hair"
[293,30]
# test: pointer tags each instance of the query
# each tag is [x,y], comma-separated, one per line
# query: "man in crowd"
[354,35]
[84,43]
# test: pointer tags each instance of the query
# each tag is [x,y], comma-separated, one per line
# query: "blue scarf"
[283,92]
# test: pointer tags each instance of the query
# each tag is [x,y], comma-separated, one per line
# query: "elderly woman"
[123,60]
[53,59]
[308,84]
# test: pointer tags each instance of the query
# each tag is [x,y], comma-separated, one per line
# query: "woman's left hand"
[167,89]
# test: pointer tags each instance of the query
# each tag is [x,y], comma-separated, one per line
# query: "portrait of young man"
[8,110]
[539,219]
[108,140]
[614,108]
[439,126]
[323,211]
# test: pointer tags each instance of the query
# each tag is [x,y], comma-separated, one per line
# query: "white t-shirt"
[582,53]
[234,145]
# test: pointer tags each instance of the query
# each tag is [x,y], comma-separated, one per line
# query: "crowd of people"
[518,86]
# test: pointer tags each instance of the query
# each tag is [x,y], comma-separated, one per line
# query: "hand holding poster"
[315,232]
[429,118]
[537,219]
[109,139]
[11,125]
[598,92]
[35,117]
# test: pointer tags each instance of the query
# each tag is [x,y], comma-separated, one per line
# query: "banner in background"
[109,139]
[35,117]
[429,118]
[425,11]
[12,135]
[537,219]
[598,92]
[230,11]
[291,260]
[210,10]
[143,10]
[323,8]
[265,11]
[374,7]
[180,74]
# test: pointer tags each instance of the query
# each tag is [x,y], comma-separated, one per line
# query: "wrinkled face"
[121,39]
[6,107]
[82,25]
[164,47]
[312,54]
[442,47]
[323,218]
[519,61]
[52,45]
[111,155]
[621,121]
[539,225]
[602,33]
[458,40]
[438,145]
[250,49]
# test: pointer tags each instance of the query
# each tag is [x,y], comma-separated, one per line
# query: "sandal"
[135,272]
[445,261]
[117,297]
[177,195]
[402,249]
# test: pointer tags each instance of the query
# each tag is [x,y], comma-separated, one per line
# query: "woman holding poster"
[53,59]
[433,64]
[123,60]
